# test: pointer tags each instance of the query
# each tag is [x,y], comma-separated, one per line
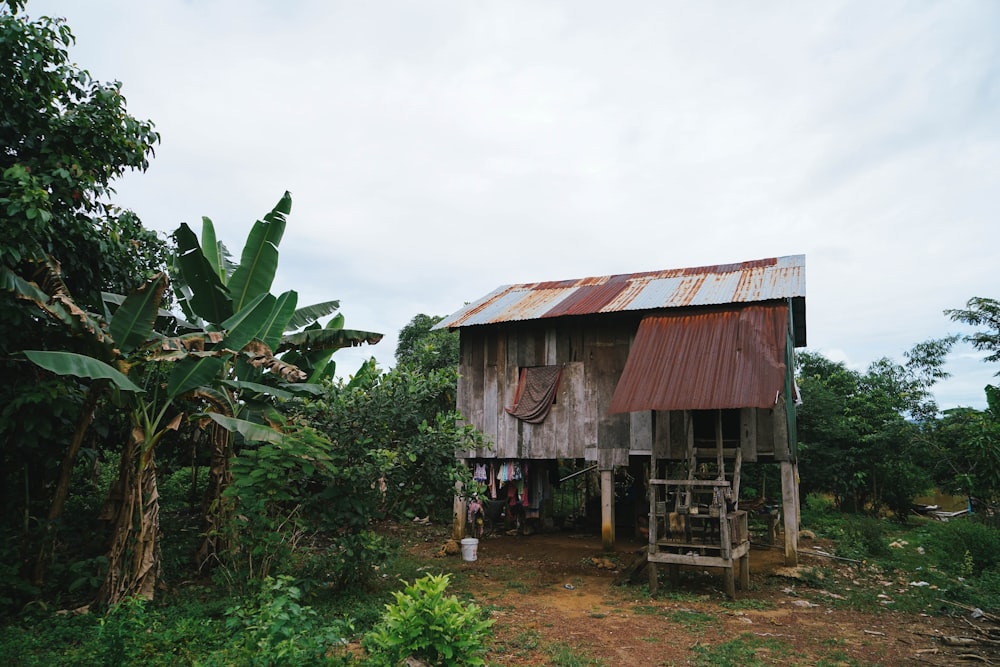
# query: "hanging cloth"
[536,392]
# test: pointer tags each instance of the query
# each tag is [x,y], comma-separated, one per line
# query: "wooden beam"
[459,510]
[608,509]
[790,511]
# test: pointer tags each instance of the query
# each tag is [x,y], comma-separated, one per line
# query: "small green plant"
[279,630]
[120,631]
[968,565]
[425,624]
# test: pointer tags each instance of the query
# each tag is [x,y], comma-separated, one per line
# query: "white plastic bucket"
[469,547]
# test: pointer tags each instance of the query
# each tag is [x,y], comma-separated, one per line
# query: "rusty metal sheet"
[733,358]
[776,278]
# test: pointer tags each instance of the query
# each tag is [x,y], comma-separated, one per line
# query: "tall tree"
[224,366]
[424,348]
[985,313]
[860,433]
[64,139]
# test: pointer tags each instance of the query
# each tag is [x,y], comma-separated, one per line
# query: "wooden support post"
[608,509]
[730,581]
[459,509]
[745,572]
[790,511]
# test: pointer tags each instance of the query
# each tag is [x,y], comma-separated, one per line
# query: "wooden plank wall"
[578,425]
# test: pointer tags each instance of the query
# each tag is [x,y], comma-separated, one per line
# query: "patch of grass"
[841,659]
[746,604]
[520,645]
[519,586]
[562,655]
[747,650]
[691,619]
[680,596]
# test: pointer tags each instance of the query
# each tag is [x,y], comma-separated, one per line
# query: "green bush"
[954,543]
[863,537]
[274,628]
[426,625]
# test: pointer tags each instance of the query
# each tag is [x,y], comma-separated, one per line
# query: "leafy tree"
[212,290]
[424,348]
[862,434]
[966,448]
[246,324]
[397,420]
[64,139]
[981,312]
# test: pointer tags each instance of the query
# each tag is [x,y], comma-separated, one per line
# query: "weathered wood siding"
[593,353]
[578,425]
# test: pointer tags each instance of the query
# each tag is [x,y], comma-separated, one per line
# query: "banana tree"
[288,352]
[126,340]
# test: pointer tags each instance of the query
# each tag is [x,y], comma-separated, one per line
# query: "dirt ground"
[563,589]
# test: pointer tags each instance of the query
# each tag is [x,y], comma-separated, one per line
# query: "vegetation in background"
[66,137]
[425,349]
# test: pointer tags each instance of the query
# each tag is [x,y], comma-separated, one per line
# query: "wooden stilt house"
[690,368]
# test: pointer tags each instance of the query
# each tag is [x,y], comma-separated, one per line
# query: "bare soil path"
[560,590]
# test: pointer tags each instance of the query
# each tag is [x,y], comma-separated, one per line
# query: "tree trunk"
[134,508]
[216,508]
[62,485]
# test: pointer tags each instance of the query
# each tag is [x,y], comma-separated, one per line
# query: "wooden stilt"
[730,580]
[790,512]
[458,520]
[608,509]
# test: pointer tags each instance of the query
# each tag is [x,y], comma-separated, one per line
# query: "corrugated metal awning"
[731,358]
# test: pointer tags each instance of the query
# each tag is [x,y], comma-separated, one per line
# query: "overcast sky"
[437,150]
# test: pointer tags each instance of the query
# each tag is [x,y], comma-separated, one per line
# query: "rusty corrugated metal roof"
[746,282]
[709,360]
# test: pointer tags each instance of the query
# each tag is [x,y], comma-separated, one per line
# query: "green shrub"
[426,625]
[948,543]
[863,537]
[275,628]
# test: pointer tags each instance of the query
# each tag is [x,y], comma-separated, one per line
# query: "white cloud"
[438,150]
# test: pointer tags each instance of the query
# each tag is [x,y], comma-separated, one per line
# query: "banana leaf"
[209,297]
[78,365]
[326,339]
[249,430]
[303,388]
[59,306]
[193,372]
[212,249]
[258,388]
[277,321]
[259,260]
[161,313]
[306,315]
[249,322]
[132,324]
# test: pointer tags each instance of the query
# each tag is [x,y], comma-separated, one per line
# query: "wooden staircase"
[694,517]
